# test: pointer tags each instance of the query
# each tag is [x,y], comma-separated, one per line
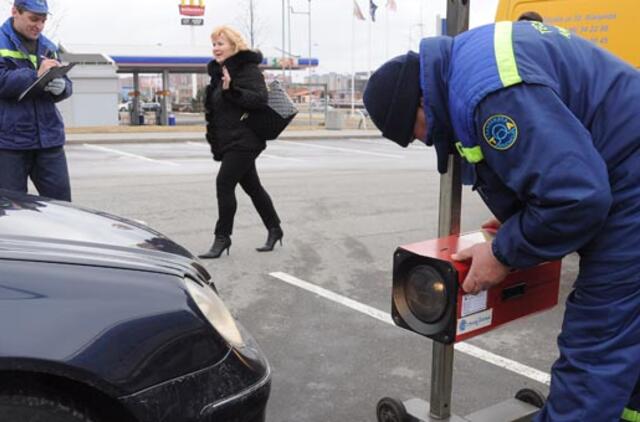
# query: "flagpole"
[284,46]
[353,74]
[421,20]
[369,48]
[289,35]
[386,33]
[309,68]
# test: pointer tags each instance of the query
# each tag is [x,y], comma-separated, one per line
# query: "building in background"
[180,87]
[95,91]
[339,87]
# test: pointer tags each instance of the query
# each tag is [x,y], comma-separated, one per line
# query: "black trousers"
[46,167]
[240,167]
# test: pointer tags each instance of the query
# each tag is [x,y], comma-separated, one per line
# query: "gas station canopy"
[197,64]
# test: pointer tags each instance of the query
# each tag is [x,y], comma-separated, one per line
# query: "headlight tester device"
[427,298]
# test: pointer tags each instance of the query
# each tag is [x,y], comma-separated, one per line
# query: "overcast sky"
[152,27]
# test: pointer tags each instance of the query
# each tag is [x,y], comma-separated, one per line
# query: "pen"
[47,55]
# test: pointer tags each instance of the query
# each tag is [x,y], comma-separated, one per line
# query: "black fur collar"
[237,60]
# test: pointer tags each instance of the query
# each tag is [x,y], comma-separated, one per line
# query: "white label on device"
[474,303]
[474,322]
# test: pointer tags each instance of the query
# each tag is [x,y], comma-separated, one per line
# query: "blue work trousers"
[599,363]
[46,167]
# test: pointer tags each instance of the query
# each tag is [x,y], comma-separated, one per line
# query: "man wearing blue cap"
[31,130]
[549,125]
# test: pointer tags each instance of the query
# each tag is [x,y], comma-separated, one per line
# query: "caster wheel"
[391,410]
[531,396]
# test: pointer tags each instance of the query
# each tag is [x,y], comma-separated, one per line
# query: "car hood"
[38,229]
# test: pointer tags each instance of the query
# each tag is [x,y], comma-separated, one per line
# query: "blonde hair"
[233,36]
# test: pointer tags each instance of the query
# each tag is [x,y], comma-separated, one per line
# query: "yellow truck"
[611,24]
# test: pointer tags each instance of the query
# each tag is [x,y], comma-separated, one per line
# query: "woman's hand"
[226,78]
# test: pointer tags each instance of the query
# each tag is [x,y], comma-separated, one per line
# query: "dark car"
[103,319]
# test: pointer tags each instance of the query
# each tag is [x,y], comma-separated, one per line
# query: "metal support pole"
[441,380]
[457,16]
[135,113]
[450,203]
[442,354]
[448,223]
[166,99]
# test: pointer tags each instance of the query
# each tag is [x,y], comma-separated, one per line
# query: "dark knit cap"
[392,97]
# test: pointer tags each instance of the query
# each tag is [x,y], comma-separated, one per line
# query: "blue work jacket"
[33,122]
[551,125]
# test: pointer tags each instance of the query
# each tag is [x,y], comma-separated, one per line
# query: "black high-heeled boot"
[274,235]
[220,243]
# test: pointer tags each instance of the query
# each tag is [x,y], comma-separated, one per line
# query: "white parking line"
[200,144]
[327,294]
[354,151]
[280,157]
[387,143]
[128,154]
[466,348]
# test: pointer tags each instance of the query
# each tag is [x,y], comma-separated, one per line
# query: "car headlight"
[216,312]
[426,294]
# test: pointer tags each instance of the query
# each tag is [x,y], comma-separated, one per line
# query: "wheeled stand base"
[522,408]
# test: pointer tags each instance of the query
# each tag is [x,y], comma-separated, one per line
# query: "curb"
[179,137]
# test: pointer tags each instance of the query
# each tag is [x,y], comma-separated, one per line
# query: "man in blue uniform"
[31,130]
[549,125]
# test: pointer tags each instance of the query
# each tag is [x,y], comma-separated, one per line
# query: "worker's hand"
[226,78]
[492,225]
[485,270]
[56,86]
[47,64]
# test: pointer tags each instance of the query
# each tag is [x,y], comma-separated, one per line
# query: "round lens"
[426,294]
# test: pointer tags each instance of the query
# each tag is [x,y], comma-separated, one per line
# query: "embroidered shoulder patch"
[500,131]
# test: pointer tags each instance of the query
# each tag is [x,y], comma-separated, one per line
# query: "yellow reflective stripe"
[19,55]
[13,54]
[505,57]
[630,415]
[473,155]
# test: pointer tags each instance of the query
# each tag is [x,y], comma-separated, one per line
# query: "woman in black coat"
[237,87]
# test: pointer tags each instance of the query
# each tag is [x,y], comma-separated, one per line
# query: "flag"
[357,12]
[372,10]
[391,5]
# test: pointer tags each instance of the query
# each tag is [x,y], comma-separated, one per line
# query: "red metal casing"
[521,293]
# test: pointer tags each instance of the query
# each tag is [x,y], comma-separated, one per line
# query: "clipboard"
[42,81]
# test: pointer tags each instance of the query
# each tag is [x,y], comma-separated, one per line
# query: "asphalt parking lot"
[319,305]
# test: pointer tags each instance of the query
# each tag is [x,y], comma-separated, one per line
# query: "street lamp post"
[308,13]
[283,43]
[309,67]
[289,33]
